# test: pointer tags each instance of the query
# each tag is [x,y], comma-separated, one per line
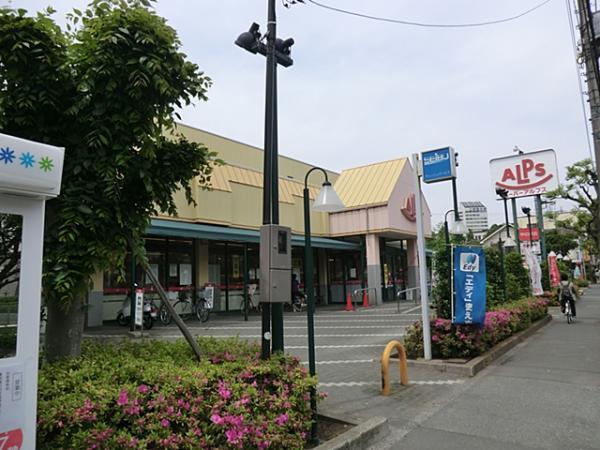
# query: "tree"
[581,187]
[107,90]
[560,241]
[10,249]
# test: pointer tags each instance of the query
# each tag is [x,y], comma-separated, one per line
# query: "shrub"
[518,283]
[467,341]
[155,395]
[581,283]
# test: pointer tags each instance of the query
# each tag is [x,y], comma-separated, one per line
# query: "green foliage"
[107,90]
[518,282]
[545,276]
[495,282]
[467,341]
[581,283]
[155,395]
[581,187]
[10,248]
[8,342]
[560,241]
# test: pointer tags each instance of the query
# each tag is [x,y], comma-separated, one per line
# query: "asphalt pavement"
[545,393]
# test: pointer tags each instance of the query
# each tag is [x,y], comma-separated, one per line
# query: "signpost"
[438,165]
[30,173]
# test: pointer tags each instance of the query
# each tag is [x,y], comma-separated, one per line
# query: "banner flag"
[469,285]
[553,269]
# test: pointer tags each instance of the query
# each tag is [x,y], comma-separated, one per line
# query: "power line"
[428,25]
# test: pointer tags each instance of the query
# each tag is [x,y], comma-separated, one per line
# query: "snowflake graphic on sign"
[46,164]
[27,159]
[7,155]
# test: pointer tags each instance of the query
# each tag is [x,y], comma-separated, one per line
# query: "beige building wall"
[235,197]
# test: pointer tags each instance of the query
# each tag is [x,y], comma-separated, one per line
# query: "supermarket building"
[370,244]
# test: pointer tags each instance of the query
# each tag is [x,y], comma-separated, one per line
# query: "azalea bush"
[467,341]
[155,395]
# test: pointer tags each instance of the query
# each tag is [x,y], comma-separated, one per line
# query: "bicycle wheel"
[202,312]
[243,306]
[164,315]
[183,309]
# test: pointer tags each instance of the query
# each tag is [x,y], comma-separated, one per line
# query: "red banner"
[553,269]
[525,236]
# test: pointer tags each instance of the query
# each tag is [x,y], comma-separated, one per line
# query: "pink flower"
[142,389]
[123,399]
[224,392]
[217,419]
[233,436]
[282,419]
[165,423]
[435,338]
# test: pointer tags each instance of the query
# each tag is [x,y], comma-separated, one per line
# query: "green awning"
[173,228]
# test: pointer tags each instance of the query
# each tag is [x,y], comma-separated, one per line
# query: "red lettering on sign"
[522,174]
[12,439]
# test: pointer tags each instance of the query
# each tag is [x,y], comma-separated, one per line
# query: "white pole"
[422,259]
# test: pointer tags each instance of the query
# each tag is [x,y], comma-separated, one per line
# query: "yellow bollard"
[385,363]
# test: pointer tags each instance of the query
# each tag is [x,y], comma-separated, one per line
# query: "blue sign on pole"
[469,285]
[438,165]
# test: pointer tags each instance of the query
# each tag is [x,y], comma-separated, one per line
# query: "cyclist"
[567,292]
[297,297]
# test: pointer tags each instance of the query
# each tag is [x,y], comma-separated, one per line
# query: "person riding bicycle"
[567,292]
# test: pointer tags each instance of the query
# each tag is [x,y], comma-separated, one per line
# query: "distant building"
[475,216]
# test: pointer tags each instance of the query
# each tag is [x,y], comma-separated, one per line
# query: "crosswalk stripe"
[377,383]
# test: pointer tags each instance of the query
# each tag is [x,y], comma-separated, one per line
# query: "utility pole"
[590,57]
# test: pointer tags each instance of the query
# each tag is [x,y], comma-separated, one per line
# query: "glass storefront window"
[217,269]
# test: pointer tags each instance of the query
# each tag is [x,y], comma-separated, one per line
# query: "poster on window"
[172,270]
[185,274]
[469,285]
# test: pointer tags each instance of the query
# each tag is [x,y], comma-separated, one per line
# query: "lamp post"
[277,51]
[458,228]
[326,201]
[527,212]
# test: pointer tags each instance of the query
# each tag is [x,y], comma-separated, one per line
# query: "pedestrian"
[567,292]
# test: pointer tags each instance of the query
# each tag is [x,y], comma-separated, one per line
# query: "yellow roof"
[224,175]
[369,185]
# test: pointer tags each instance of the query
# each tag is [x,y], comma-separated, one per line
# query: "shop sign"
[410,208]
[524,234]
[526,174]
[438,165]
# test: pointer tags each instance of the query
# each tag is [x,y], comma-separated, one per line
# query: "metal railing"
[412,294]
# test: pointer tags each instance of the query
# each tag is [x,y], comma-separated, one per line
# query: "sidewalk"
[545,393]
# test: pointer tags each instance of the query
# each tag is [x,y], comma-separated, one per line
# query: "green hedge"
[467,341]
[155,395]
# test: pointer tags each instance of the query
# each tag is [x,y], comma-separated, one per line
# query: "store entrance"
[393,269]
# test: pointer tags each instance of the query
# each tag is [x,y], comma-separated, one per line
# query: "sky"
[363,91]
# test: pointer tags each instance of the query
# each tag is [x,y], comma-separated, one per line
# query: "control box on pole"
[275,264]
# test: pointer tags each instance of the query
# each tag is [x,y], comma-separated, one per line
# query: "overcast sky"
[363,91]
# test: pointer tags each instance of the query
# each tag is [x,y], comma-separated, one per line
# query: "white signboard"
[139,307]
[30,168]
[34,170]
[526,174]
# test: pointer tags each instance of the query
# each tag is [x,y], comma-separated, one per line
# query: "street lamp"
[277,51]
[527,212]
[327,201]
[457,228]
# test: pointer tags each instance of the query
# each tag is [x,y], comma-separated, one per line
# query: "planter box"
[473,366]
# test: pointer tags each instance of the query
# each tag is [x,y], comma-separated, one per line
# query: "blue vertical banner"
[469,285]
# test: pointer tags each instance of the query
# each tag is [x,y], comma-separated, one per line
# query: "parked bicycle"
[249,304]
[186,307]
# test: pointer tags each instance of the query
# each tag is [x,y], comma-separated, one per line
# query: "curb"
[358,437]
[479,363]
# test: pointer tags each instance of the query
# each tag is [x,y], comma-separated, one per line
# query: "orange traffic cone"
[365,300]
[349,306]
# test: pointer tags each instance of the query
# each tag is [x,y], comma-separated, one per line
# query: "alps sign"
[526,174]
